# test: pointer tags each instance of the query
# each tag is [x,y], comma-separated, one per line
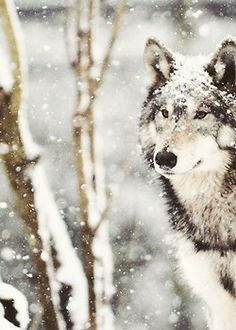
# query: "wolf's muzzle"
[166,160]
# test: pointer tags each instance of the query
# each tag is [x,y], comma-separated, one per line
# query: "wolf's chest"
[203,215]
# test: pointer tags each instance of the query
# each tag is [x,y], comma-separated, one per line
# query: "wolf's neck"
[193,188]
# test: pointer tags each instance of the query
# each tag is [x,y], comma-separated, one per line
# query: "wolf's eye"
[165,113]
[200,114]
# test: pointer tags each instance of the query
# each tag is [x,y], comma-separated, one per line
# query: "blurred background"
[150,292]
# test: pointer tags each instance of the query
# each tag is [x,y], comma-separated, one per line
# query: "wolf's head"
[188,121]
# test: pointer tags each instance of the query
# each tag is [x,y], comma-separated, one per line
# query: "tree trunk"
[17,165]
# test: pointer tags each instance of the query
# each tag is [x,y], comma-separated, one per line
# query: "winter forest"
[84,236]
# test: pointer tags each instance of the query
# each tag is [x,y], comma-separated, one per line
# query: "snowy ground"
[150,294]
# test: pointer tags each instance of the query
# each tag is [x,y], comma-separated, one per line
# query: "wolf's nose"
[166,159]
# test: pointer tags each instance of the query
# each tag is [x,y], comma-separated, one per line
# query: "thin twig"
[107,57]
[90,80]
[71,16]
[103,214]
[120,7]
[89,43]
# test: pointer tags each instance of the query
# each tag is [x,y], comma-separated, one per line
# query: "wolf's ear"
[222,67]
[159,62]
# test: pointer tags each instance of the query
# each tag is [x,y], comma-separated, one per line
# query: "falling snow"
[148,291]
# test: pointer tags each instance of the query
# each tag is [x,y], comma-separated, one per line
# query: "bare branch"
[107,57]
[89,44]
[103,214]
[115,29]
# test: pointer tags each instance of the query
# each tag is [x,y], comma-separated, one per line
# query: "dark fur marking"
[221,114]
[228,284]
[149,155]
[152,114]
[152,92]
[220,109]
[227,82]
[229,74]
[149,111]
[230,176]
[179,110]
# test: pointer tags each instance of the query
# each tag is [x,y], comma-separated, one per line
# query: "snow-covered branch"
[70,271]
[92,196]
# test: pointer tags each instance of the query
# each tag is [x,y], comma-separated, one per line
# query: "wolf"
[188,135]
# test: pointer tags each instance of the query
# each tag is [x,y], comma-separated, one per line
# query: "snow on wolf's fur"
[187,133]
